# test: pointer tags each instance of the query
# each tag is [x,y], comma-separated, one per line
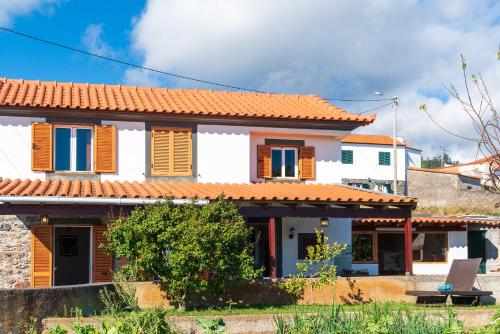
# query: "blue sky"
[341,48]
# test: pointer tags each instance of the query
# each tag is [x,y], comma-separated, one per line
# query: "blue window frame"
[73,149]
[384,158]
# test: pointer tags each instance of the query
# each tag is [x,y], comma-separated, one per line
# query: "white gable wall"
[15,148]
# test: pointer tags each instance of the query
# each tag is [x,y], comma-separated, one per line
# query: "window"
[430,247]
[73,149]
[305,240]
[171,152]
[363,247]
[384,158]
[284,162]
[388,188]
[347,157]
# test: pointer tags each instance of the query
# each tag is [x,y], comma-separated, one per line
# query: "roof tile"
[99,97]
[187,190]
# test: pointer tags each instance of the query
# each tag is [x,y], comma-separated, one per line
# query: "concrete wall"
[457,249]
[365,162]
[15,148]
[20,307]
[223,154]
[131,152]
[15,254]
[448,190]
[339,230]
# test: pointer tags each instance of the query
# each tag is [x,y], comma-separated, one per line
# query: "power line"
[175,75]
[122,62]
[376,108]
[446,130]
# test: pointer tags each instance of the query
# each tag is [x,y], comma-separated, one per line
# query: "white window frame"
[296,169]
[72,148]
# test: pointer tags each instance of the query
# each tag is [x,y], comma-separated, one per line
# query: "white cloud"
[9,9]
[92,39]
[339,48]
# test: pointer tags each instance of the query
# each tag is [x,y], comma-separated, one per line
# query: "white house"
[367,162]
[71,154]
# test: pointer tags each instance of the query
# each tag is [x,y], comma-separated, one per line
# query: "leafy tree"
[439,161]
[190,248]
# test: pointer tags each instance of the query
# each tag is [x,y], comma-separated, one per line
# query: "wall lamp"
[44,219]
[291,233]
[325,222]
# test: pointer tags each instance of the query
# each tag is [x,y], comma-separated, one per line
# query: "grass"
[304,309]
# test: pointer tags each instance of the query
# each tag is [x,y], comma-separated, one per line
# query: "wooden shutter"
[41,256]
[102,268]
[105,149]
[41,146]
[171,152]
[307,163]
[264,161]
[181,152]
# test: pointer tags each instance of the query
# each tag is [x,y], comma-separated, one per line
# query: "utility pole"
[395,143]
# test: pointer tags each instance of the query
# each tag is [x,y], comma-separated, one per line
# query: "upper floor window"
[73,148]
[171,151]
[384,158]
[347,157]
[284,162]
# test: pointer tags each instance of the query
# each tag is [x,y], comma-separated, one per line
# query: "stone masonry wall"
[15,251]
[446,190]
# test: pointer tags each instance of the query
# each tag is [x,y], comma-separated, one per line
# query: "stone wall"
[448,190]
[377,184]
[15,251]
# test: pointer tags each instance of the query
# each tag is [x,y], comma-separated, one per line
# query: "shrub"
[318,265]
[190,248]
[121,299]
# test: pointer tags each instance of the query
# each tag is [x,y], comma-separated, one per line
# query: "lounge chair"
[461,276]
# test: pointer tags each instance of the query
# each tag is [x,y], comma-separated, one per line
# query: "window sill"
[364,262]
[73,173]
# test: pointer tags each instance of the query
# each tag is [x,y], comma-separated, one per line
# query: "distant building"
[367,162]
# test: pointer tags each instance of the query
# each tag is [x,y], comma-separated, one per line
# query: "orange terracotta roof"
[443,171]
[188,190]
[427,220]
[101,97]
[370,139]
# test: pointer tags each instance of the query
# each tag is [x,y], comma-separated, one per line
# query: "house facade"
[74,154]
[367,162]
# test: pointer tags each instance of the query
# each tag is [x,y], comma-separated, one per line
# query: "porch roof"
[16,190]
[432,220]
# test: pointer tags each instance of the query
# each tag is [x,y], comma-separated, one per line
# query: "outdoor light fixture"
[291,233]
[44,219]
[325,222]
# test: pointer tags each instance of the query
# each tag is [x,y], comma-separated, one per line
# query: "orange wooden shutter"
[41,146]
[105,149]
[41,256]
[102,268]
[160,152]
[263,161]
[307,163]
[181,152]
[171,152]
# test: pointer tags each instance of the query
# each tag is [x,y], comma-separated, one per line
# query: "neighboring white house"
[367,162]
[480,167]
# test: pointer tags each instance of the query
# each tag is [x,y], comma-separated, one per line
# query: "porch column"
[408,247]
[273,249]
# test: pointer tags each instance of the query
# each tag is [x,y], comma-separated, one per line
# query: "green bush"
[57,329]
[192,249]
[372,319]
